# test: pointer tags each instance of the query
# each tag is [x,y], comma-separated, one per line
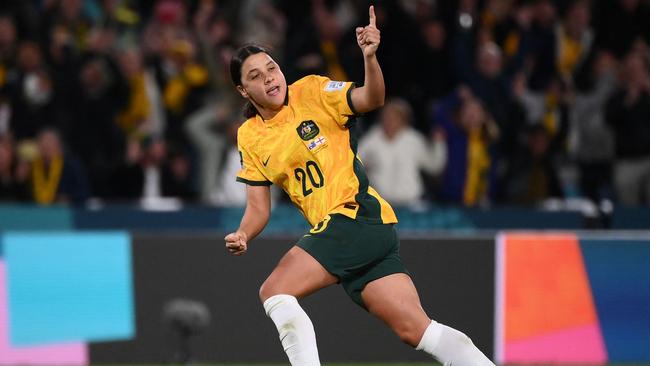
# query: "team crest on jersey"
[307,130]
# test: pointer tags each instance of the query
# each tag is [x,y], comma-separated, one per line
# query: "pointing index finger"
[373,19]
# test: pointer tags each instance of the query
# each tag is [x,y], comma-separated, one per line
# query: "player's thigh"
[297,274]
[394,299]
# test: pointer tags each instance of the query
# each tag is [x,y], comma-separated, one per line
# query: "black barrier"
[454,277]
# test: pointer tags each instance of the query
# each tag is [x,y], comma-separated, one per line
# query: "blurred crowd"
[490,102]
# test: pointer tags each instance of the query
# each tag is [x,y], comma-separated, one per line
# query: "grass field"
[287,364]
[360,364]
[386,364]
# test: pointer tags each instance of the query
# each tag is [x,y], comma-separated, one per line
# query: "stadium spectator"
[177,179]
[14,173]
[532,176]
[470,177]
[623,23]
[30,91]
[206,130]
[262,21]
[8,47]
[99,94]
[395,155]
[435,72]
[121,17]
[549,110]
[438,79]
[144,115]
[590,139]
[58,66]
[167,23]
[627,114]
[313,46]
[574,41]
[184,82]
[540,61]
[5,115]
[229,192]
[150,172]
[69,17]
[214,36]
[56,174]
[170,47]
[507,24]
[485,75]
[564,49]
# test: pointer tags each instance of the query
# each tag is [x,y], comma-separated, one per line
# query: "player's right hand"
[368,37]
[236,243]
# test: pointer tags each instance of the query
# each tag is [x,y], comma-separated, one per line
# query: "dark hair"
[236,63]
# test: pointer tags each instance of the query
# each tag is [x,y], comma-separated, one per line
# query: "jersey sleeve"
[336,98]
[249,172]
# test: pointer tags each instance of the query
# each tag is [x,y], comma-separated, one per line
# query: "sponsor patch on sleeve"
[335,85]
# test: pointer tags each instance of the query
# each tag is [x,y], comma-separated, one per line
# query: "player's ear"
[242,91]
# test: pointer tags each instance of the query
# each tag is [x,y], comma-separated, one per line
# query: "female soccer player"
[298,137]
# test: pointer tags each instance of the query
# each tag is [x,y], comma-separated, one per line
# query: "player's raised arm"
[371,95]
[256,216]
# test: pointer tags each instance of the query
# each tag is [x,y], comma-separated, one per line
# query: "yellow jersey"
[308,149]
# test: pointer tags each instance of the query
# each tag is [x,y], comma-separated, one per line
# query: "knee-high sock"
[295,329]
[451,347]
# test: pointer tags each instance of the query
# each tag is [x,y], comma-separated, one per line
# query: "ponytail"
[236,63]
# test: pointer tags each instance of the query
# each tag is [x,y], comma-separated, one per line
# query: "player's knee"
[263,293]
[266,291]
[409,334]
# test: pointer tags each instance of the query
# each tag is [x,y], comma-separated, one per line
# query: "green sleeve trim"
[254,182]
[349,98]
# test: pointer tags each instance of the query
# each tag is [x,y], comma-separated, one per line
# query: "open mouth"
[273,91]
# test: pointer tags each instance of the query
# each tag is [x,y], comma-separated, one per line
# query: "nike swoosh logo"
[267,160]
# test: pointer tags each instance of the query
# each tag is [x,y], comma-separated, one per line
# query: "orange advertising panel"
[547,288]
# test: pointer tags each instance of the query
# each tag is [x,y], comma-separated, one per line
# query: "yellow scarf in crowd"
[569,54]
[511,42]
[550,120]
[3,75]
[334,69]
[139,107]
[179,87]
[46,183]
[478,164]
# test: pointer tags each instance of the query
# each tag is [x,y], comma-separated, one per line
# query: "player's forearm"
[371,95]
[254,220]
[374,80]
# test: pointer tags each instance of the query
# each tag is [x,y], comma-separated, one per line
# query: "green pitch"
[347,364]
[287,364]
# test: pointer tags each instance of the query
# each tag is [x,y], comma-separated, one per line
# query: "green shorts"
[355,252]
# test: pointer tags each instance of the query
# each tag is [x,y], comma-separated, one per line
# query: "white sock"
[295,329]
[451,347]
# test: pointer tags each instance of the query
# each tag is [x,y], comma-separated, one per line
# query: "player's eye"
[254,76]
[271,68]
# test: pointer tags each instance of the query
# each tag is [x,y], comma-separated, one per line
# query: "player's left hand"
[236,243]
[368,37]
